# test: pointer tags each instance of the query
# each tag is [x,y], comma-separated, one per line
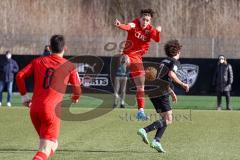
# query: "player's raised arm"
[155,34]
[20,80]
[125,27]
[76,86]
[174,77]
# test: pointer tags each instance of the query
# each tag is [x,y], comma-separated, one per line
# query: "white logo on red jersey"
[140,36]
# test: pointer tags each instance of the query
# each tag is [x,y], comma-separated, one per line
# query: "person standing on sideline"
[120,82]
[223,79]
[47,51]
[8,67]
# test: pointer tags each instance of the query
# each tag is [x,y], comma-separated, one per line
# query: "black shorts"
[161,104]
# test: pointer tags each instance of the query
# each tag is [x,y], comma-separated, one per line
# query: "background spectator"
[47,50]
[8,67]
[120,82]
[223,79]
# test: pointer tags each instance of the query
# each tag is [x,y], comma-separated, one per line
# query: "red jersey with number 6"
[51,75]
[138,40]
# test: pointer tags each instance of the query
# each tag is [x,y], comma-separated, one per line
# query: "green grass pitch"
[198,133]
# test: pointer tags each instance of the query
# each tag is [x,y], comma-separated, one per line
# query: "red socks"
[40,156]
[140,99]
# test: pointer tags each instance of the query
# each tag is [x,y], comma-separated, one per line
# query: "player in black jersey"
[167,72]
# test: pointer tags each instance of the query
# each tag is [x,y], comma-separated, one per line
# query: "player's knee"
[169,119]
[140,88]
[169,122]
[167,116]
[142,81]
[139,81]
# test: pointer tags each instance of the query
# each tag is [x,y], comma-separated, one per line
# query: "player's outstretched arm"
[76,86]
[20,80]
[174,77]
[125,27]
[155,35]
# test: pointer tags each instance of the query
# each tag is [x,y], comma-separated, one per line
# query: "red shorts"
[135,65]
[45,121]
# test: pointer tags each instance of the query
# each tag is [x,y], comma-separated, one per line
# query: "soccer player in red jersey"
[140,32]
[51,75]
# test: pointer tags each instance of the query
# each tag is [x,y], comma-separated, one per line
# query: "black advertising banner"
[96,73]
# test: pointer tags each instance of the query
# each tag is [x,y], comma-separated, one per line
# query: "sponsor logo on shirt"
[140,36]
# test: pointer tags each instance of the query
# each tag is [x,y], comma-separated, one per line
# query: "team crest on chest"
[147,32]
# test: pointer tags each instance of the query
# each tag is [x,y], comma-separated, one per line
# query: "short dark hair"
[148,11]
[7,52]
[172,48]
[57,43]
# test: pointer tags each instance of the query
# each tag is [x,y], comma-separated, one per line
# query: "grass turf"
[194,135]
[184,102]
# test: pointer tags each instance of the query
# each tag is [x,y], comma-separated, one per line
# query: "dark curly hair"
[172,48]
[147,12]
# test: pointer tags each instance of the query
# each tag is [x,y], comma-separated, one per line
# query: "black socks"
[156,125]
[159,133]
[160,125]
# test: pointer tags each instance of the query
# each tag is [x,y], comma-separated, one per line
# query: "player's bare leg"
[167,116]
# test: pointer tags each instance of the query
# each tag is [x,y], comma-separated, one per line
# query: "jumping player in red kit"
[51,75]
[140,32]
